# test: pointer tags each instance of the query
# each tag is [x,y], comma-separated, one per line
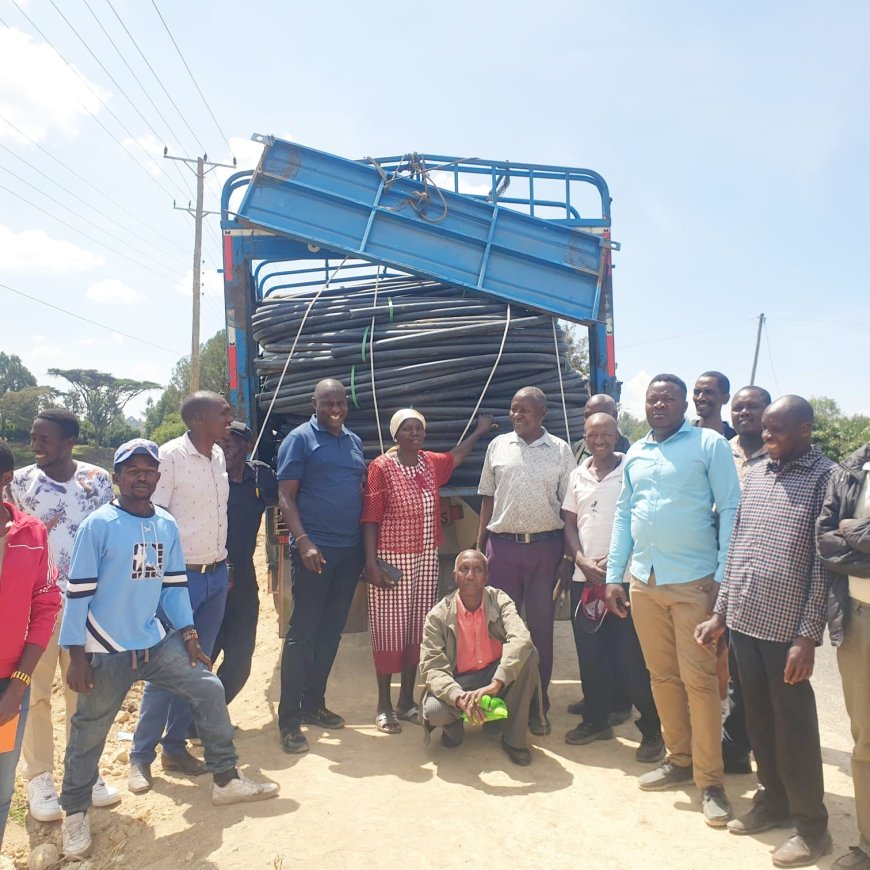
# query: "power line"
[190,73]
[81,217]
[86,235]
[770,356]
[157,77]
[81,178]
[83,202]
[88,320]
[103,103]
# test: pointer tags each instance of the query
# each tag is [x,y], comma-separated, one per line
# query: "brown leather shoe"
[797,851]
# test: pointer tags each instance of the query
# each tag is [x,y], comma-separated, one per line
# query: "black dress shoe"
[182,762]
[576,709]
[617,717]
[540,728]
[522,757]
[323,717]
[293,741]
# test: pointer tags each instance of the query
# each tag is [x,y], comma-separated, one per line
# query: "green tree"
[632,427]
[171,427]
[19,407]
[14,375]
[836,434]
[99,397]
[578,348]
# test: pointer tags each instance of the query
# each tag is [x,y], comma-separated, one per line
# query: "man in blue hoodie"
[127,561]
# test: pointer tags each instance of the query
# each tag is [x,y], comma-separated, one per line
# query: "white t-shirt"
[61,506]
[594,502]
[859,587]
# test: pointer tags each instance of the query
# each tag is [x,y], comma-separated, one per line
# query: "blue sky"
[734,140]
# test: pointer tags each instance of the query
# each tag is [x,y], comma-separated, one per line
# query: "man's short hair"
[671,379]
[724,383]
[536,393]
[7,458]
[197,403]
[760,390]
[65,420]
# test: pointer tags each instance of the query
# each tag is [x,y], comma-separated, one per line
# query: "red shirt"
[475,649]
[395,500]
[29,594]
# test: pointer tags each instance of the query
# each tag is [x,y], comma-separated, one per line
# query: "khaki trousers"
[683,674]
[853,657]
[38,747]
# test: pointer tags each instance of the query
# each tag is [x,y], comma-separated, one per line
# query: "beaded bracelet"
[20,675]
[189,634]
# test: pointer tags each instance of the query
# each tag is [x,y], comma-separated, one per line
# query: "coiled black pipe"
[434,348]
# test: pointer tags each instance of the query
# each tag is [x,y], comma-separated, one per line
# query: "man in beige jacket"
[476,644]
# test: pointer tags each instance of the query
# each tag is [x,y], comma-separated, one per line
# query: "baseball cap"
[592,609]
[237,427]
[134,446]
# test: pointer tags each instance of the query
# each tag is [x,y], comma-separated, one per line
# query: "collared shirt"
[594,503]
[727,430]
[331,471]
[859,587]
[743,462]
[61,505]
[665,520]
[775,588]
[581,452]
[475,649]
[247,500]
[527,481]
[195,490]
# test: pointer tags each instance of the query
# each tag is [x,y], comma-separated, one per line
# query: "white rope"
[290,355]
[372,358]
[561,385]
[507,324]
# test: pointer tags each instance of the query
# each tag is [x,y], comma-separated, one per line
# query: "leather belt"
[527,537]
[205,569]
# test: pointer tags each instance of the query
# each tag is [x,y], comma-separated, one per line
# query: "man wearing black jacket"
[843,544]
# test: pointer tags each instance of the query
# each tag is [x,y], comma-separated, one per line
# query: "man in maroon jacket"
[29,602]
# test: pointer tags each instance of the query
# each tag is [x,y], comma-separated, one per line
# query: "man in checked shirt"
[773,598]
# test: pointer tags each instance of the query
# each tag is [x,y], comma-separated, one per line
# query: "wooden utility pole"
[757,346]
[198,214]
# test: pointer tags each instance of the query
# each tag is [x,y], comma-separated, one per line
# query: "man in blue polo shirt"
[665,531]
[321,471]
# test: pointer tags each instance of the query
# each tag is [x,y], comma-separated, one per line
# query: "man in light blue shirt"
[676,483]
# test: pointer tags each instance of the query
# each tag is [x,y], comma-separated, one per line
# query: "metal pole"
[197,277]
[757,346]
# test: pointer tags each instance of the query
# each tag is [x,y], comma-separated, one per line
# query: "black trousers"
[238,632]
[614,648]
[321,603]
[735,739]
[784,734]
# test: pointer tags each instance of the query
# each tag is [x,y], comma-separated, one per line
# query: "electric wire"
[190,73]
[770,356]
[93,187]
[88,320]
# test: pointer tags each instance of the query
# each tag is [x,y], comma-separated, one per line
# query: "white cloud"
[38,91]
[47,351]
[111,291]
[212,284]
[36,251]
[633,396]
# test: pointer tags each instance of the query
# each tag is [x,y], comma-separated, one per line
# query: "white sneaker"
[42,798]
[242,790]
[103,794]
[77,840]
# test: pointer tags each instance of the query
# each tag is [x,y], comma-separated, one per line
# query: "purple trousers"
[527,572]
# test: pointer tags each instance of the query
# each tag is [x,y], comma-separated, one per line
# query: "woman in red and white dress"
[402,528]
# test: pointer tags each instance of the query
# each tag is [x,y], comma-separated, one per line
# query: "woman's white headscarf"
[400,416]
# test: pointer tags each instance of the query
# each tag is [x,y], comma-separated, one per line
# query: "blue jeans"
[9,761]
[167,666]
[162,711]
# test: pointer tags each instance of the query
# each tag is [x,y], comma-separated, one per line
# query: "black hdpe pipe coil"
[434,348]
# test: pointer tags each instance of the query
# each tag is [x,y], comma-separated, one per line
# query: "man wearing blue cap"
[127,561]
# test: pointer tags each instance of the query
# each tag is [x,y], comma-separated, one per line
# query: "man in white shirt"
[604,641]
[524,479]
[194,488]
[60,492]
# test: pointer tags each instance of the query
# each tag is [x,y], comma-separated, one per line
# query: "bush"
[171,427]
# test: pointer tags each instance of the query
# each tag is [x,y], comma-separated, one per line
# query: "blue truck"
[535,238]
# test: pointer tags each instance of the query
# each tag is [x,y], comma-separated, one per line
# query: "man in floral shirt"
[60,492]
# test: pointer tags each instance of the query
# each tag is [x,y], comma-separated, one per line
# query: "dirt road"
[361,799]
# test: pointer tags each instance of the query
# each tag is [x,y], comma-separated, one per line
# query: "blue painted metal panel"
[345,206]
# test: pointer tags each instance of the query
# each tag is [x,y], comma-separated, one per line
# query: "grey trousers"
[517,697]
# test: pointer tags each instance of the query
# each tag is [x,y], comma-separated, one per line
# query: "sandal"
[412,714]
[387,722]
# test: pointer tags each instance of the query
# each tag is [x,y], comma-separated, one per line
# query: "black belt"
[205,569]
[527,537]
